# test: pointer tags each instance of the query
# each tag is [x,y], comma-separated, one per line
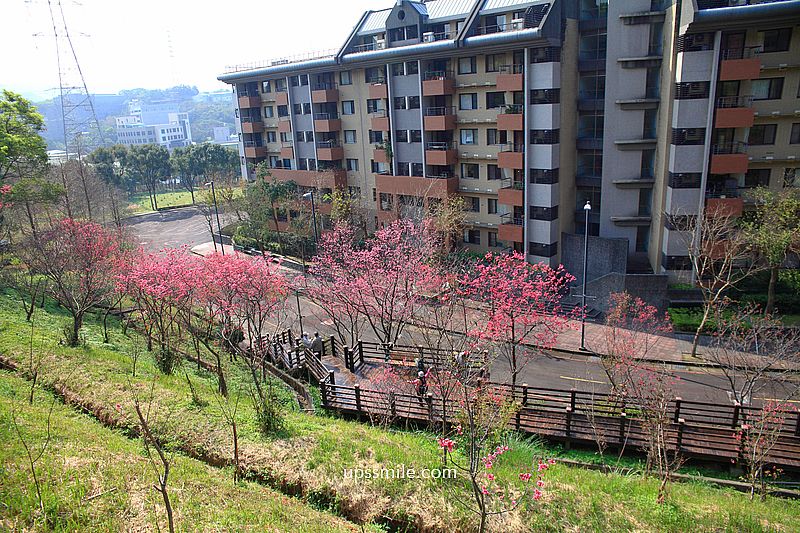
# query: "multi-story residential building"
[529,109]
[154,123]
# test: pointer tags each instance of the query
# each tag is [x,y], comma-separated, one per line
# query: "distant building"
[154,123]
[222,134]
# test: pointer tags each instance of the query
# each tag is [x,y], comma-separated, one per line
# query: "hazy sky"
[123,44]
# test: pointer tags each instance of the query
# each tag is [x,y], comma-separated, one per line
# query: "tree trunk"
[773,281]
[277,229]
[77,322]
[696,339]
[192,192]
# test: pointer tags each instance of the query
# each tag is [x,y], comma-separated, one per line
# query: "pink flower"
[525,476]
[459,430]
[447,444]
[540,483]
[552,461]
[537,494]
[484,490]
[490,477]
[118,407]
[488,464]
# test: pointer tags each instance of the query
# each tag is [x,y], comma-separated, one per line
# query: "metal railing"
[306,56]
[512,69]
[512,109]
[509,218]
[740,53]
[428,37]
[378,113]
[712,4]
[253,144]
[376,80]
[437,75]
[735,147]
[722,192]
[368,47]
[513,148]
[728,102]
[511,183]
[441,175]
[499,28]
[326,116]
[325,86]
[250,119]
[329,144]
[439,146]
[440,111]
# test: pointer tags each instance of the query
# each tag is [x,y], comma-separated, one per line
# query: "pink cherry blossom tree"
[79,260]
[519,307]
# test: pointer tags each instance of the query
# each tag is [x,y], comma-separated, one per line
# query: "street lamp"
[310,194]
[586,209]
[216,211]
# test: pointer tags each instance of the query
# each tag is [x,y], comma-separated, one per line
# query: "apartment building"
[154,123]
[529,109]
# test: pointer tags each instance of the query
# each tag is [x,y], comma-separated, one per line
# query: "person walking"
[316,345]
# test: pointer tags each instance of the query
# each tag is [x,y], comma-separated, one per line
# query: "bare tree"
[33,455]
[721,256]
[229,414]
[754,352]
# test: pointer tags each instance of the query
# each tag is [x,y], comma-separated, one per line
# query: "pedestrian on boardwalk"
[316,345]
[305,340]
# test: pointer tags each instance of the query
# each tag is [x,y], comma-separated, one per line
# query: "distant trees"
[150,165]
[23,153]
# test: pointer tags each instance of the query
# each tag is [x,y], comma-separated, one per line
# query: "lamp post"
[216,211]
[310,194]
[299,312]
[586,209]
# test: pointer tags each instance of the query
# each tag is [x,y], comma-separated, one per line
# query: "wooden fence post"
[677,409]
[568,430]
[357,391]
[429,401]
[333,345]
[623,417]
[360,349]
[797,425]
[522,405]
[679,442]
[323,392]
[348,358]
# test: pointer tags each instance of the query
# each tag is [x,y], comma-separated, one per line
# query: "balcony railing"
[440,111]
[287,144]
[499,28]
[509,183]
[439,146]
[728,102]
[509,218]
[376,80]
[328,144]
[437,75]
[712,4]
[253,144]
[250,119]
[326,116]
[438,36]
[325,86]
[368,47]
[722,192]
[441,175]
[378,113]
[512,109]
[740,53]
[735,147]
[512,69]
[512,148]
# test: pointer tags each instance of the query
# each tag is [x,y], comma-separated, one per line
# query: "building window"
[375,137]
[494,172]
[297,109]
[468,101]
[269,111]
[762,134]
[374,105]
[542,250]
[348,107]
[416,169]
[271,138]
[494,137]
[352,164]
[415,136]
[692,90]
[294,81]
[494,62]
[544,136]
[545,96]
[472,204]
[398,69]
[466,65]
[688,136]
[794,137]
[696,42]
[543,176]
[545,55]
[767,88]
[280,85]
[469,136]
[684,180]
[492,238]
[472,236]
[495,100]
[307,108]
[777,40]
[400,102]
[386,201]
[543,213]
[403,169]
[413,102]
[344,78]
[266,86]
[401,136]
[412,67]
[756,177]
[470,171]
[491,206]
[349,136]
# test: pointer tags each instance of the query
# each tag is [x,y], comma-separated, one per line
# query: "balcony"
[512,156]
[246,100]
[734,112]
[740,64]
[321,179]
[510,78]
[378,88]
[440,118]
[729,158]
[252,125]
[416,185]
[282,98]
[379,155]
[254,150]
[284,125]
[438,83]
[327,122]
[723,206]
[511,118]
[440,153]
[323,93]
[329,151]
[512,193]
[287,150]
[510,229]
[379,121]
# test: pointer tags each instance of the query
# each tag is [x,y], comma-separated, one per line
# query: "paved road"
[172,228]
[187,227]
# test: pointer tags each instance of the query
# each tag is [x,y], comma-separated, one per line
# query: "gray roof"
[506,5]
[435,10]
[376,22]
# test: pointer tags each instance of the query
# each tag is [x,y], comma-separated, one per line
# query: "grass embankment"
[309,457]
[140,203]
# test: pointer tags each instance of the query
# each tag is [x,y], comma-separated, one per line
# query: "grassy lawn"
[140,203]
[309,456]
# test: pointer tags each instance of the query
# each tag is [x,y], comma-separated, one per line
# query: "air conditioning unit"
[428,37]
[380,44]
[517,24]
